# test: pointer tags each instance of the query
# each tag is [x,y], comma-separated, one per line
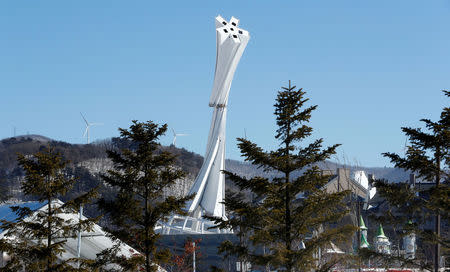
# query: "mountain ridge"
[88,162]
[192,161]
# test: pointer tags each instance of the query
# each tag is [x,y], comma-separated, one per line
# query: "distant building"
[364,243]
[357,182]
[381,242]
[363,230]
[409,245]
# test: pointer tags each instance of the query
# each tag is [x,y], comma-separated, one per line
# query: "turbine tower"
[209,186]
[80,213]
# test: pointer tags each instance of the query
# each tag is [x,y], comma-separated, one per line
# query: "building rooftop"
[92,242]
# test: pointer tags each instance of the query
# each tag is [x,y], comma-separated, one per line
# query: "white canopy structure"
[93,242]
[209,186]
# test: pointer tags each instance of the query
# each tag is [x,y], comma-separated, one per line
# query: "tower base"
[192,223]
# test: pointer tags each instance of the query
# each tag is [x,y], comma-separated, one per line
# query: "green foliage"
[428,157]
[141,172]
[286,210]
[35,240]
[4,186]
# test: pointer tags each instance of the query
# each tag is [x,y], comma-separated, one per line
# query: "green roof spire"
[380,233]
[364,243]
[362,226]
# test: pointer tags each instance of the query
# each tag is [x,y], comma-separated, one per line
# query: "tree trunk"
[288,222]
[49,235]
[146,243]
[437,248]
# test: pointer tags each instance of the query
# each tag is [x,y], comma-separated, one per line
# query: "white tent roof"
[92,242]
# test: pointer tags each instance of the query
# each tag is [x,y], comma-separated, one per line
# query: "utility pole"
[358,214]
[193,257]
[79,236]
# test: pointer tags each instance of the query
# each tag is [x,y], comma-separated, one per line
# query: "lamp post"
[193,257]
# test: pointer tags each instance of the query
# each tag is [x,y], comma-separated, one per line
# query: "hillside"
[87,162]
[388,173]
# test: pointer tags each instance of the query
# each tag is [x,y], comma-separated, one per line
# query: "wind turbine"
[80,213]
[175,136]
[405,148]
[88,125]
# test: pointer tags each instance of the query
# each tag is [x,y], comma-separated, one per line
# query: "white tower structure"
[363,229]
[381,242]
[409,244]
[209,186]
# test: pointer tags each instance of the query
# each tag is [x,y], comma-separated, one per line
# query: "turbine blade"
[173,132]
[84,119]
[85,131]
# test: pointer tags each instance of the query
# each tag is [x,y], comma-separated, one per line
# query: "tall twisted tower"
[209,186]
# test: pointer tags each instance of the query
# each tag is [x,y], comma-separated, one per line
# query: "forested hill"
[78,153]
[29,144]
[88,161]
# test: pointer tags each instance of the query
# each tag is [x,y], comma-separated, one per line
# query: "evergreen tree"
[36,238]
[288,210]
[4,186]
[427,156]
[141,172]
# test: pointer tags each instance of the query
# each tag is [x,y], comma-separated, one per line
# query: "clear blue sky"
[371,66]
